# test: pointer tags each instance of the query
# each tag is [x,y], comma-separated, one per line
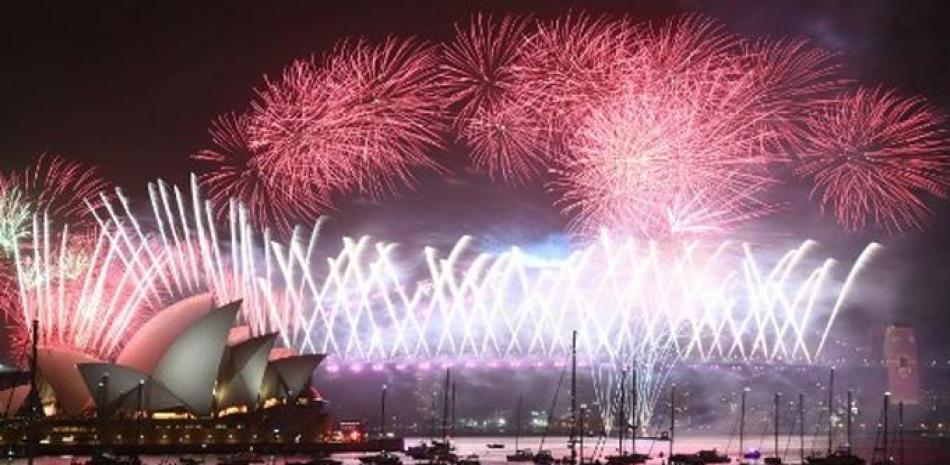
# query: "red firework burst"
[873,155]
[792,78]
[507,141]
[479,68]
[479,75]
[359,121]
[237,176]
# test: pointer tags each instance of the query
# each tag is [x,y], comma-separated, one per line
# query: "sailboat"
[520,455]
[882,451]
[623,458]
[775,459]
[841,455]
[745,455]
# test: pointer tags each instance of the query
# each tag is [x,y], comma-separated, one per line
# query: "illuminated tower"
[901,361]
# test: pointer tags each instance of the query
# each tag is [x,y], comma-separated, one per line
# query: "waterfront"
[918,451]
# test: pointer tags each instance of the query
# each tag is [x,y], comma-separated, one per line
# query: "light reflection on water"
[789,448]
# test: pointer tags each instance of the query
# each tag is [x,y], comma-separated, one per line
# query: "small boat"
[233,460]
[712,456]
[470,459]
[317,461]
[495,445]
[241,458]
[108,459]
[702,457]
[523,455]
[543,457]
[418,452]
[382,458]
[838,457]
[627,459]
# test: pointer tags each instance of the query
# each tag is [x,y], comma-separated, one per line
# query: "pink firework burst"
[391,91]
[360,120]
[236,175]
[685,46]
[572,64]
[671,160]
[873,155]
[295,128]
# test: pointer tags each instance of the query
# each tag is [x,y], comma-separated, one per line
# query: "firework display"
[872,155]
[655,220]
[356,121]
[664,128]
[237,176]
[624,297]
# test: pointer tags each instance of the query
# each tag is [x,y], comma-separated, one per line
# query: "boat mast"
[887,403]
[801,427]
[777,396]
[622,419]
[831,401]
[445,407]
[672,417]
[850,407]
[518,423]
[452,428]
[573,438]
[742,424]
[382,413]
[33,403]
[633,407]
[900,432]
[580,429]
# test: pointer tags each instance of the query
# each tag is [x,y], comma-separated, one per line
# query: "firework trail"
[90,310]
[873,155]
[15,214]
[236,175]
[51,186]
[60,188]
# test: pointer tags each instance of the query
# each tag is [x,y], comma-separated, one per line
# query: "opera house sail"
[188,379]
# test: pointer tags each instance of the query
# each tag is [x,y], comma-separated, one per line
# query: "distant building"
[902,362]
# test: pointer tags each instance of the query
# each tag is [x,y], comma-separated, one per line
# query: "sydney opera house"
[189,378]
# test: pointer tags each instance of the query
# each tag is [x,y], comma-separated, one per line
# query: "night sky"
[132,86]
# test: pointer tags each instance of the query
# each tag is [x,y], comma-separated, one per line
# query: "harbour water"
[917,451]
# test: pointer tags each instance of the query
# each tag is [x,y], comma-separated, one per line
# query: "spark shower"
[362,305]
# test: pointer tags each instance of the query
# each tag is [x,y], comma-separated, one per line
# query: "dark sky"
[131,86]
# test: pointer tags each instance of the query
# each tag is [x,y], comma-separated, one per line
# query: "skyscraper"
[902,363]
